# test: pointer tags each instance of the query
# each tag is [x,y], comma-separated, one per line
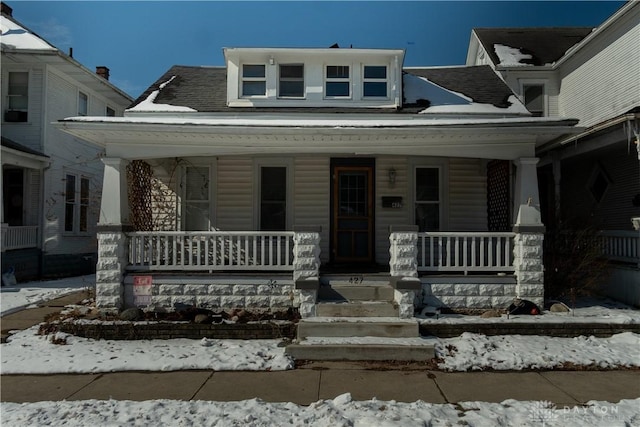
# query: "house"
[50,179]
[258,183]
[590,179]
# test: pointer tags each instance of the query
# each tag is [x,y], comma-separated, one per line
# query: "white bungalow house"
[261,183]
[50,180]
[589,179]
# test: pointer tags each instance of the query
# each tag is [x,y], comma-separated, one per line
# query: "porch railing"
[211,250]
[465,252]
[19,237]
[621,245]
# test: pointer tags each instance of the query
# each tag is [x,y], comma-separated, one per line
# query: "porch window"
[427,198]
[13,196]
[291,84]
[254,80]
[375,81]
[83,104]
[337,83]
[18,97]
[197,205]
[273,198]
[533,95]
[76,209]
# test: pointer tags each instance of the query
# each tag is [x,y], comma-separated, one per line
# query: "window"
[375,81]
[598,183]
[83,104]
[254,80]
[110,112]
[197,206]
[18,97]
[427,198]
[533,95]
[273,198]
[337,84]
[291,84]
[76,209]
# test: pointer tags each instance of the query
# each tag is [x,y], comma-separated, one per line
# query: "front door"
[352,211]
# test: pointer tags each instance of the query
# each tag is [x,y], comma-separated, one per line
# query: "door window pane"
[273,198]
[427,199]
[197,205]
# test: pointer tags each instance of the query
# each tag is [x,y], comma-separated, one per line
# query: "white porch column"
[112,240]
[527,251]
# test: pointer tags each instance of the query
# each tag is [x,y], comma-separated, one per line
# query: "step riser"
[356,293]
[357,329]
[361,352]
[356,310]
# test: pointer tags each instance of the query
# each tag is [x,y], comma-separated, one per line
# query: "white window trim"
[5,90]
[443,167]
[258,164]
[364,80]
[326,80]
[304,80]
[77,204]
[213,173]
[80,93]
[545,96]
[242,79]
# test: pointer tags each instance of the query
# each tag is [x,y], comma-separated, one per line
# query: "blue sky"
[140,40]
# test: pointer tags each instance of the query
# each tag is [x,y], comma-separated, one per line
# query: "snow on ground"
[25,295]
[341,411]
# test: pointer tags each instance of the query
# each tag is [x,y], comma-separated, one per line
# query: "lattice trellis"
[139,177]
[498,195]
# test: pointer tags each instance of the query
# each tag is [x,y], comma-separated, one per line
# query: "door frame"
[358,163]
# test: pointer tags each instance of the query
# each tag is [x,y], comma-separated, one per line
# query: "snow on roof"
[510,56]
[150,105]
[17,37]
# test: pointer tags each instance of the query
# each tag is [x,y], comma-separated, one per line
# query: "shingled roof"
[204,89]
[545,45]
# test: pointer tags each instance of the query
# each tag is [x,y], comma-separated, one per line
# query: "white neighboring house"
[591,179]
[51,181]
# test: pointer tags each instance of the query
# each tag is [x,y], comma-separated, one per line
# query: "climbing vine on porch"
[151,201]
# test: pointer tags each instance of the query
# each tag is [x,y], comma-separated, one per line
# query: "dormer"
[333,77]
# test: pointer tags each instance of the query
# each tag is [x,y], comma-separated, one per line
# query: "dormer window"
[291,83]
[337,83]
[254,80]
[534,100]
[375,81]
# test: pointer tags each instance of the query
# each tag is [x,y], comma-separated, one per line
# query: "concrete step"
[361,327]
[351,292]
[356,309]
[321,348]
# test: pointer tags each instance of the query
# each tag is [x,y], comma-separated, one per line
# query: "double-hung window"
[533,97]
[76,208]
[427,198]
[196,203]
[18,97]
[291,81]
[83,104]
[254,80]
[375,81]
[337,81]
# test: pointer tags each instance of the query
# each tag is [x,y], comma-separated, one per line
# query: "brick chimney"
[103,72]
[6,10]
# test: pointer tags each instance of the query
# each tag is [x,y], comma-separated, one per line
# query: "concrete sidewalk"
[327,380]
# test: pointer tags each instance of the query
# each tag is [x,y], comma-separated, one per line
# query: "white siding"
[467,195]
[234,209]
[29,133]
[603,79]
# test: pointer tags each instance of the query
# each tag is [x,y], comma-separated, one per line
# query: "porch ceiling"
[497,139]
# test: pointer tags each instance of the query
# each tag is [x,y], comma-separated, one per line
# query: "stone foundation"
[469,292]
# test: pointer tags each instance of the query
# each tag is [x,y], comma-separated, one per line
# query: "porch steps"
[357,319]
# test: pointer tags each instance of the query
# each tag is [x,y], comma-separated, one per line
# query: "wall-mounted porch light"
[392,176]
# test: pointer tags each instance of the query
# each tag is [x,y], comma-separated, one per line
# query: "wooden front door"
[352,212]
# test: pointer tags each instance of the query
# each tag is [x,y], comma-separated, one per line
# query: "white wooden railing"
[465,252]
[21,237]
[211,250]
[621,245]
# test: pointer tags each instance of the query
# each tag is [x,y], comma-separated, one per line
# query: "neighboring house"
[591,179]
[251,185]
[51,181]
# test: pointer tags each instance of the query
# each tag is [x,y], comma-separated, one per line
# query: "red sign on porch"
[142,290]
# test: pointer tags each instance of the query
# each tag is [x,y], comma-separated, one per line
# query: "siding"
[467,195]
[234,210]
[27,134]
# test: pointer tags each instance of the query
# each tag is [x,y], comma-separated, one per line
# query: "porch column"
[403,267]
[112,240]
[306,268]
[527,251]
